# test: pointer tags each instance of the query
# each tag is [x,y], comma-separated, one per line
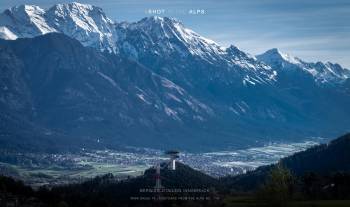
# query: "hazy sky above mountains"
[312,30]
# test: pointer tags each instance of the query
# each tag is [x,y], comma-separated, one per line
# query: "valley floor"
[54,169]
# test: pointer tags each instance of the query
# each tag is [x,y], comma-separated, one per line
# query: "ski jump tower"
[173,155]
[158,179]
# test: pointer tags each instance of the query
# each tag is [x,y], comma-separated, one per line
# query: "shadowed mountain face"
[56,91]
[156,83]
[55,83]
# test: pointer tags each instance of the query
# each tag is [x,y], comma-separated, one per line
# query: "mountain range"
[72,75]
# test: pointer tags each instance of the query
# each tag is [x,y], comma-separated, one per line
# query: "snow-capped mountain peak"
[327,72]
[86,16]
[84,22]
[276,56]
[235,51]
[169,25]
[30,10]
[152,37]
[321,72]
[166,36]
[24,21]
[168,39]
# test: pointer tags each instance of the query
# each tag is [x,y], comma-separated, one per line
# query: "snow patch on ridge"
[109,79]
[7,34]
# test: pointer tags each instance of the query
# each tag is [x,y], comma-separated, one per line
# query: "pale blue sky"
[310,29]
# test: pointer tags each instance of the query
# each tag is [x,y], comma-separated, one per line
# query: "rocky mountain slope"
[155,83]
